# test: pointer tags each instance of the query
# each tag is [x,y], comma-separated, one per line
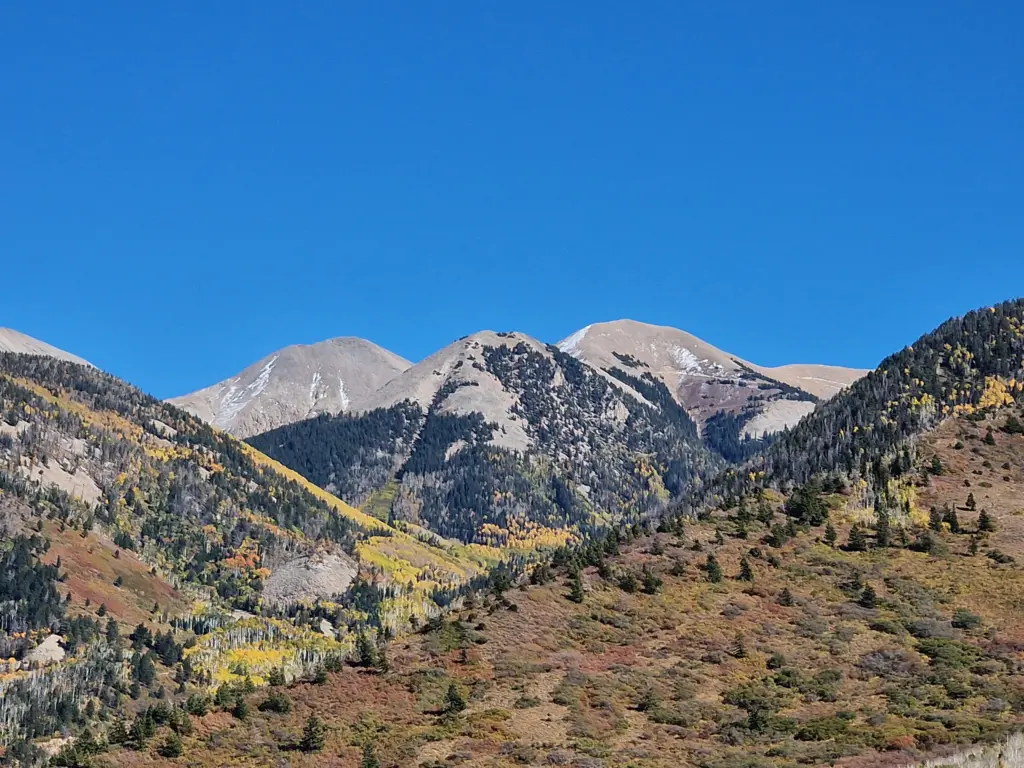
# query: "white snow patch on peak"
[685,359]
[342,395]
[234,400]
[313,397]
[570,344]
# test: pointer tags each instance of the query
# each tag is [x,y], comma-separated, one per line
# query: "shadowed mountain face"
[295,383]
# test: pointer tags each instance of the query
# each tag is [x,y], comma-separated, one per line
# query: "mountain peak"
[294,383]
[20,343]
[704,379]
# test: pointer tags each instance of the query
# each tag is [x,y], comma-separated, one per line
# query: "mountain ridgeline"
[968,365]
[556,444]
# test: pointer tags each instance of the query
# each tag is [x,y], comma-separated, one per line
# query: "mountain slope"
[741,639]
[968,365]
[118,509]
[704,379]
[497,437]
[295,383]
[14,341]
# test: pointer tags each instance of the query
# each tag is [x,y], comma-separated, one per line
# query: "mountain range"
[348,375]
[579,554]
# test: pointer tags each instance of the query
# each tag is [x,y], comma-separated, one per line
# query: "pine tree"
[576,587]
[719,539]
[366,652]
[276,677]
[713,569]
[314,736]
[651,583]
[369,757]
[989,437]
[857,541]
[241,710]
[971,503]
[746,572]
[786,597]
[383,664]
[935,519]
[830,534]
[171,747]
[453,700]
[739,647]
[985,522]
[950,518]
[936,467]
[868,598]
[883,531]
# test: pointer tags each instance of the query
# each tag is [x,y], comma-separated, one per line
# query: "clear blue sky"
[187,186]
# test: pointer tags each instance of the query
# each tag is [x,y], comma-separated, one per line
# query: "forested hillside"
[591,453]
[124,515]
[968,365]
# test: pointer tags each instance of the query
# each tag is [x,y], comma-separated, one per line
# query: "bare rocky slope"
[17,342]
[706,380]
[295,383]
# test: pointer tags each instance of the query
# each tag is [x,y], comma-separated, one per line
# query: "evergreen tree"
[453,700]
[746,572]
[739,647]
[314,736]
[857,541]
[713,569]
[830,534]
[651,583]
[936,467]
[950,518]
[786,597]
[383,664]
[241,710]
[971,503]
[883,530]
[366,651]
[369,757]
[868,598]
[989,437]
[935,519]
[172,746]
[985,522]
[576,587]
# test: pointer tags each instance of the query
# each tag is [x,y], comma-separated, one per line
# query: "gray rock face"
[14,341]
[703,378]
[295,383]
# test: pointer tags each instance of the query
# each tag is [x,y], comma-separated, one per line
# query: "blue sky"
[188,186]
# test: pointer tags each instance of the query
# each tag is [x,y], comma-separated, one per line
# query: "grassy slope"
[553,682]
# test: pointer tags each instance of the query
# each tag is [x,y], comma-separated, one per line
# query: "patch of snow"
[312,387]
[342,395]
[233,401]
[570,345]
[689,364]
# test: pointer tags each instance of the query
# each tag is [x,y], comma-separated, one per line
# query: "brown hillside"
[828,656]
